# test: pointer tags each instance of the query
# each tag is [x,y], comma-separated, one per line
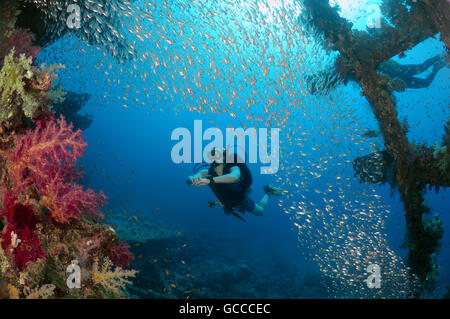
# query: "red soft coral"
[21,223]
[120,254]
[22,40]
[45,159]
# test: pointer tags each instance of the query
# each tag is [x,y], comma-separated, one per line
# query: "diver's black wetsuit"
[233,196]
[407,72]
[323,82]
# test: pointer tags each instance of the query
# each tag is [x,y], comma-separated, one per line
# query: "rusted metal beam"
[360,54]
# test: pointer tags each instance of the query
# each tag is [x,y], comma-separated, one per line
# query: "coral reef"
[21,40]
[19,235]
[4,264]
[36,160]
[23,89]
[48,221]
[44,292]
[14,73]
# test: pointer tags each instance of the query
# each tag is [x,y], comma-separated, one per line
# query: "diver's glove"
[273,191]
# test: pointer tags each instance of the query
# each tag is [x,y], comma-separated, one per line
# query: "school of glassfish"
[234,59]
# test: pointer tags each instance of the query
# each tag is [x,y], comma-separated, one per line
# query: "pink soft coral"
[39,155]
[21,222]
[45,159]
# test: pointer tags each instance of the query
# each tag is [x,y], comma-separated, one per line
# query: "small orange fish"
[167,272]
[135,217]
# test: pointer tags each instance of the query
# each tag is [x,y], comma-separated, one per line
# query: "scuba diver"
[402,76]
[407,72]
[230,179]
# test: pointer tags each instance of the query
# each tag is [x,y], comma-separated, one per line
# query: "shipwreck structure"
[413,167]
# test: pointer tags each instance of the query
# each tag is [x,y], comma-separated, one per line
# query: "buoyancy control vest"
[232,196]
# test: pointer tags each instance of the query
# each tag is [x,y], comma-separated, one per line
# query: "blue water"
[129,150]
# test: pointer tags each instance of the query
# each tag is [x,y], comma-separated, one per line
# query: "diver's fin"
[212,204]
[238,216]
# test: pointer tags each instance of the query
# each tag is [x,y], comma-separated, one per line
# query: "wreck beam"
[360,55]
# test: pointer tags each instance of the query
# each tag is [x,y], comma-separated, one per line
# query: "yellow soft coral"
[4,264]
[14,99]
[111,280]
[57,95]
[43,292]
[13,292]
